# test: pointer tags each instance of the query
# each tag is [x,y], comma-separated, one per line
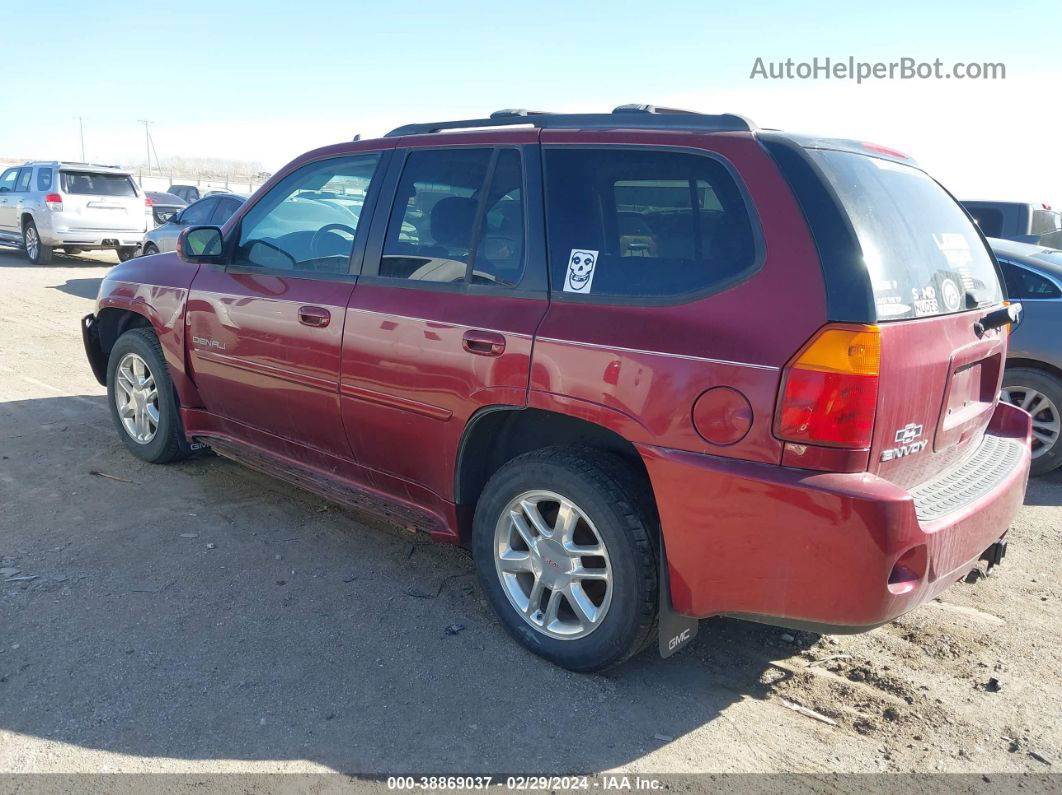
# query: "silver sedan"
[213,210]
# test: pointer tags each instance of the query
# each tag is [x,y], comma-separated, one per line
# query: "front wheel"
[150,248]
[1040,394]
[564,551]
[38,253]
[142,399]
[126,253]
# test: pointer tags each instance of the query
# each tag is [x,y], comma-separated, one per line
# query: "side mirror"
[200,244]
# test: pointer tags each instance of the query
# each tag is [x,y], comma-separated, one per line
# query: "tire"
[167,442]
[150,249]
[1036,390]
[38,253]
[126,253]
[613,506]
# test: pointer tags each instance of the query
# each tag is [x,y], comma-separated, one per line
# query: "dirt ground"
[201,617]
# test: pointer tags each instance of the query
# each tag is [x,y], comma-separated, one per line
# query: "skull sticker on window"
[580,275]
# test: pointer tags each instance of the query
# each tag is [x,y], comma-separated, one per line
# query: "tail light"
[54,202]
[147,204]
[830,389]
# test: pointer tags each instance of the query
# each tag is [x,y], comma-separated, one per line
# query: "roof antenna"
[356,137]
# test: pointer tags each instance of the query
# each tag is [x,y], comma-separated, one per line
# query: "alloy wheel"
[1046,422]
[136,398]
[553,565]
[33,242]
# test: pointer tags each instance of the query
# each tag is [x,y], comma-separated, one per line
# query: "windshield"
[923,255]
[89,184]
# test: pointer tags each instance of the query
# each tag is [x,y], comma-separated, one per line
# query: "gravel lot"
[201,617]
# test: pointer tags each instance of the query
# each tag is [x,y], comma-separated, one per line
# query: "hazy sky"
[266,80]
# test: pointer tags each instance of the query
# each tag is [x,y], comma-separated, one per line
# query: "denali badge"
[206,343]
[905,438]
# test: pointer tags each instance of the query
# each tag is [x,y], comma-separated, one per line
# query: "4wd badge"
[906,444]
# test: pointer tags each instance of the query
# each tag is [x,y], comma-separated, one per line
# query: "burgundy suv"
[650,365]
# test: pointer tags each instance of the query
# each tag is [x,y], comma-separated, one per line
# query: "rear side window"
[630,223]
[87,183]
[1022,283]
[44,179]
[989,219]
[24,180]
[458,217]
[923,255]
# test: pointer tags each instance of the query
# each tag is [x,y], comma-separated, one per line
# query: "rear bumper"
[58,235]
[833,552]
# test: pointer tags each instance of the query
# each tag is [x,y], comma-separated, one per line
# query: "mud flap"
[676,630]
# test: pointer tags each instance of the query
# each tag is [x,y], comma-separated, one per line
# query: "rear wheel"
[38,253]
[1040,394]
[142,399]
[565,555]
[126,252]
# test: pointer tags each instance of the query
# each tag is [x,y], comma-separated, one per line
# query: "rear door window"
[23,183]
[225,210]
[198,213]
[642,223]
[87,183]
[458,218]
[1022,283]
[923,254]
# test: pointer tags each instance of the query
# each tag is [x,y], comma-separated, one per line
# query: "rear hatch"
[101,201]
[933,278]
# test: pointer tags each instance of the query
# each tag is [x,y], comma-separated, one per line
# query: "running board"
[365,500]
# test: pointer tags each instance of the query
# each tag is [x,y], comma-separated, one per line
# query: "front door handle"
[314,316]
[483,343]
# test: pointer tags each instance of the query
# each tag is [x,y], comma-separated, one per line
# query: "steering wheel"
[318,237]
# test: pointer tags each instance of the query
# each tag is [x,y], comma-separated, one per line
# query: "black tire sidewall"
[167,443]
[150,249]
[125,253]
[1046,384]
[621,631]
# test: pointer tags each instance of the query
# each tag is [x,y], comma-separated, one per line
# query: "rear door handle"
[483,343]
[315,316]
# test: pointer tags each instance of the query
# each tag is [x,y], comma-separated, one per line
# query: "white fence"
[161,182]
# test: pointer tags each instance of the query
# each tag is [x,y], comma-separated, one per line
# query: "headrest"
[451,221]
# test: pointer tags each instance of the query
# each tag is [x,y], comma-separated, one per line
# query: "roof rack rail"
[626,116]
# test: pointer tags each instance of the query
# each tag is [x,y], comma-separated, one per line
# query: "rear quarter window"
[639,223]
[44,179]
[923,255]
[87,183]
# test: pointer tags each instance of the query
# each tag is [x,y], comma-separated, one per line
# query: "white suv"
[72,206]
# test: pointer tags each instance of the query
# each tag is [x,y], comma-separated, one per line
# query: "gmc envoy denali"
[650,365]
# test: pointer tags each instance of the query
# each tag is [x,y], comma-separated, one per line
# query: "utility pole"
[147,141]
[81,129]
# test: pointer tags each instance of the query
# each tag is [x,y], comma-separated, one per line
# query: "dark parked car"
[214,209]
[1033,379]
[165,205]
[1025,223]
[772,394]
[190,193]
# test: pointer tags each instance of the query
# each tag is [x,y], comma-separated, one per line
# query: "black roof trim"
[624,117]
